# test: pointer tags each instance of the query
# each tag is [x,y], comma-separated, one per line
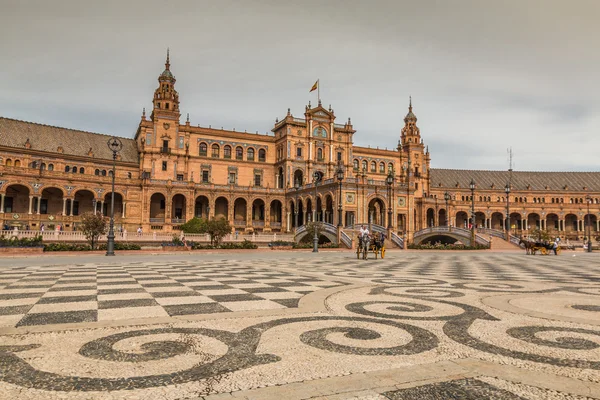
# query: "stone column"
[1,203]
[30,204]
[102,207]
[597,221]
[72,207]
[123,214]
[287,222]
[39,203]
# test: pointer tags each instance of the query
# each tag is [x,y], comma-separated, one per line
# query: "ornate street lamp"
[390,181]
[507,190]
[589,243]
[296,187]
[340,178]
[472,186]
[316,180]
[447,198]
[115,145]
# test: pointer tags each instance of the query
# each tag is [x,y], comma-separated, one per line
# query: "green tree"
[194,225]
[540,234]
[217,229]
[93,226]
[311,227]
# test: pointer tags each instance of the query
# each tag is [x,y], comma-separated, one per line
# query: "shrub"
[66,247]
[309,245]
[122,246]
[22,242]
[245,244]
[442,246]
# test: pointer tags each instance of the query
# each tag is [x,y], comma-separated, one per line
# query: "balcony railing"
[165,150]
[177,220]
[157,220]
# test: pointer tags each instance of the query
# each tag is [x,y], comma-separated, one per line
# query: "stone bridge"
[447,234]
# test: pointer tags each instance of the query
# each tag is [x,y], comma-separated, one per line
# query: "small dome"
[167,74]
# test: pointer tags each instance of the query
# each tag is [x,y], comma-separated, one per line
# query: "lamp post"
[340,178]
[316,179]
[296,187]
[447,198]
[472,186]
[115,145]
[507,190]
[589,243]
[390,181]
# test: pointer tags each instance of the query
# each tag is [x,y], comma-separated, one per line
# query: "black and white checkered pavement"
[88,293]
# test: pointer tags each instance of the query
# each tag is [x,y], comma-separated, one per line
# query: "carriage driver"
[363,231]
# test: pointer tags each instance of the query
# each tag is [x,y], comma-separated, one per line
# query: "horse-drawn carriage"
[366,243]
[532,247]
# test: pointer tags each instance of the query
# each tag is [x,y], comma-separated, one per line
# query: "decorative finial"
[409,103]
[427,149]
[167,64]
[289,112]
[330,108]
[276,120]
[188,118]
[309,106]
[144,113]
[349,121]
[319,102]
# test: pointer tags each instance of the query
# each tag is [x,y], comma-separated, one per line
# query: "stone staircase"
[501,244]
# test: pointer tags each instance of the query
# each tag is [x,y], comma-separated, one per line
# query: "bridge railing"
[491,232]
[397,240]
[346,240]
[378,229]
[514,239]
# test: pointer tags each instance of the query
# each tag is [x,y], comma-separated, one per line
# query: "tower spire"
[409,103]
[167,64]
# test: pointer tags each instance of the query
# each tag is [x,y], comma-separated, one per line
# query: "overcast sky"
[484,75]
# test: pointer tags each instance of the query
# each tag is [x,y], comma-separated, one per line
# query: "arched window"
[262,155]
[50,167]
[239,153]
[43,166]
[203,149]
[364,165]
[319,154]
[250,154]
[103,172]
[227,151]
[34,164]
[373,166]
[110,173]
[74,170]
[97,172]
[129,175]
[81,170]
[382,168]
[17,163]
[390,167]
[67,168]
[355,164]
[9,162]
[215,153]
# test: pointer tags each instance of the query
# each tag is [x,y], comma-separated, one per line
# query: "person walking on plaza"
[555,245]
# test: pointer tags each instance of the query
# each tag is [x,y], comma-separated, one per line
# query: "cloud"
[483,75]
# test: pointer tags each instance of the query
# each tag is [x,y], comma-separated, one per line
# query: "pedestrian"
[139,231]
[42,227]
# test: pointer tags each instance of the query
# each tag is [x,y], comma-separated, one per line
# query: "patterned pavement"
[416,325]
[89,293]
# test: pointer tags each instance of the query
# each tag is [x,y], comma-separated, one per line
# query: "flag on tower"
[315,86]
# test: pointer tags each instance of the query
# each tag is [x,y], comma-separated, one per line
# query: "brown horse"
[528,246]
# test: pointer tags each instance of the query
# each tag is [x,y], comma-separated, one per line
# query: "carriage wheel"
[558,250]
[544,251]
[382,252]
